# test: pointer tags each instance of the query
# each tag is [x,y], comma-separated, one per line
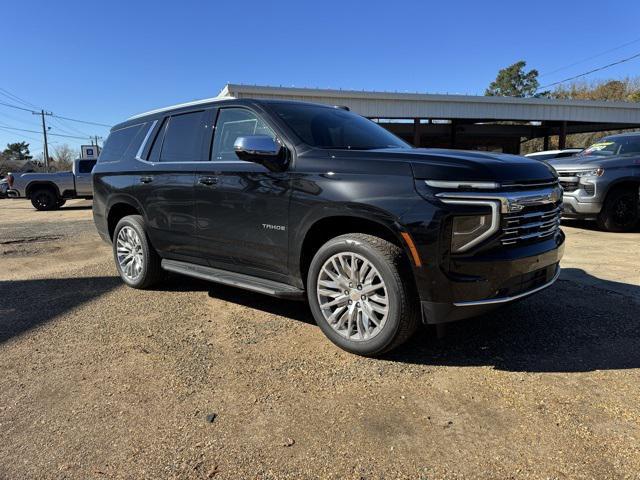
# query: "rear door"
[84,185]
[242,207]
[166,183]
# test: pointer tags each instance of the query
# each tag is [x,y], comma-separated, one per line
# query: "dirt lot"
[102,381]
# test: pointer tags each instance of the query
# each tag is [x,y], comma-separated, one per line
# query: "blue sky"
[103,61]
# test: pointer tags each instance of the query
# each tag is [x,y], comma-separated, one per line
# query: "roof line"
[180,105]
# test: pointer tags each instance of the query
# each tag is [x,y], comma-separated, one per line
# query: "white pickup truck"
[49,191]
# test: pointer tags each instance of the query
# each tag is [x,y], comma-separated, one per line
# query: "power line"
[591,71]
[15,106]
[590,58]
[35,131]
[83,121]
[14,98]
[57,116]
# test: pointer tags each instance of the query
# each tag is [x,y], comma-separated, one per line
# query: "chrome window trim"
[499,300]
[144,141]
[495,220]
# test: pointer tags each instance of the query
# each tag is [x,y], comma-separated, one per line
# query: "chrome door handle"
[146,179]
[207,180]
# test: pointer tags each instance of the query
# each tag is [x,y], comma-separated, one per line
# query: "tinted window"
[85,166]
[118,142]
[154,153]
[233,123]
[327,127]
[183,138]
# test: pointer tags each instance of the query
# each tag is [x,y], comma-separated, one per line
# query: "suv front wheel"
[136,260]
[360,294]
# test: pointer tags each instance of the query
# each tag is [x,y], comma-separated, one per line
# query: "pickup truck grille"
[569,186]
[532,224]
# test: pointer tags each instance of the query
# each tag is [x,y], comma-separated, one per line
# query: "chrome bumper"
[492,301]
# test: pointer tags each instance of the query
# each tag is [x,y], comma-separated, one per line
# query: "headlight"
[466,229]
[596,172]
[469,230]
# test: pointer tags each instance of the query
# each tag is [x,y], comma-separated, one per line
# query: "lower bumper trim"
[492,301]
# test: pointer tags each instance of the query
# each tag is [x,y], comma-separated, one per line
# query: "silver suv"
[603,182]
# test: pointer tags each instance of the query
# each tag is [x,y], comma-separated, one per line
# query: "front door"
[242,207]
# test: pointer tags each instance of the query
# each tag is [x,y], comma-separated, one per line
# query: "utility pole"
[97,146]
[42,113]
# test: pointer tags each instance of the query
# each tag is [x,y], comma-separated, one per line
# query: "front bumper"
[574,207]
[438,313]
[503,268]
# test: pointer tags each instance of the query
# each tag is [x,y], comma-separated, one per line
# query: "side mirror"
[261,149]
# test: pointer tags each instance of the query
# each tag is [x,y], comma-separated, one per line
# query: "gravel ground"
[103,381]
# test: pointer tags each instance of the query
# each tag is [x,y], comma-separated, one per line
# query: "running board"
[255,284]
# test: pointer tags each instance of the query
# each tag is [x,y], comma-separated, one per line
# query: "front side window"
[334,128]
[233,123]
[183,136]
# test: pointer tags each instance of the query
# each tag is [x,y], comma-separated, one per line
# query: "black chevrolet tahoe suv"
[298,200]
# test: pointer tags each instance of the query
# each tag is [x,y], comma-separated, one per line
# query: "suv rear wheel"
[44,199]
[360,294]
[620,210]
[136,260]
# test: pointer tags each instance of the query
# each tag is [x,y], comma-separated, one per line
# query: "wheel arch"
[32,186]
[119,209]
[624,182]
[326,228]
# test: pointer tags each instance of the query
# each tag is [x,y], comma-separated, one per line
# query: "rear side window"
[183,135]
[118,142]
[85,166]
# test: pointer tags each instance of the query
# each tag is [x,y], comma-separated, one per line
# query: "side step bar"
[255,284]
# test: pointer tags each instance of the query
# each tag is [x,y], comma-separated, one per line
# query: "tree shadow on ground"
[27,304]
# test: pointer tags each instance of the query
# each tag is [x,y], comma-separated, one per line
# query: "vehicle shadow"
[27,304]
[287,308]
[590,225]
[581,324]
[77,207]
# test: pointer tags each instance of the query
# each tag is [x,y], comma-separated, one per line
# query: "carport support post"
[545,144]
[416,132]
[562,139]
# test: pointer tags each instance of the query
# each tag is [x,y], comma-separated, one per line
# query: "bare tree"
[63,157]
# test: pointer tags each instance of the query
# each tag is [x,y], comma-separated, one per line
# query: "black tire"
[61,202]
[620,210]
[44,199]
[151,272]
[389,260]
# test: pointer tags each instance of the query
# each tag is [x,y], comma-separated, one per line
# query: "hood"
[441,164]
[593,161]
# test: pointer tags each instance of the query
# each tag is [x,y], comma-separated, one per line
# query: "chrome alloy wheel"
[129,252]
[352,296]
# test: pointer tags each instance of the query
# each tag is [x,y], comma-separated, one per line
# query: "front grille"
[528,184]
[532,224]
[569,186]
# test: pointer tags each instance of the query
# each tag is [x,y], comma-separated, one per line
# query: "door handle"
[207,180]
[146,179]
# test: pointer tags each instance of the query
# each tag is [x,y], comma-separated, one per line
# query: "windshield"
[614,146]
[335,128]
